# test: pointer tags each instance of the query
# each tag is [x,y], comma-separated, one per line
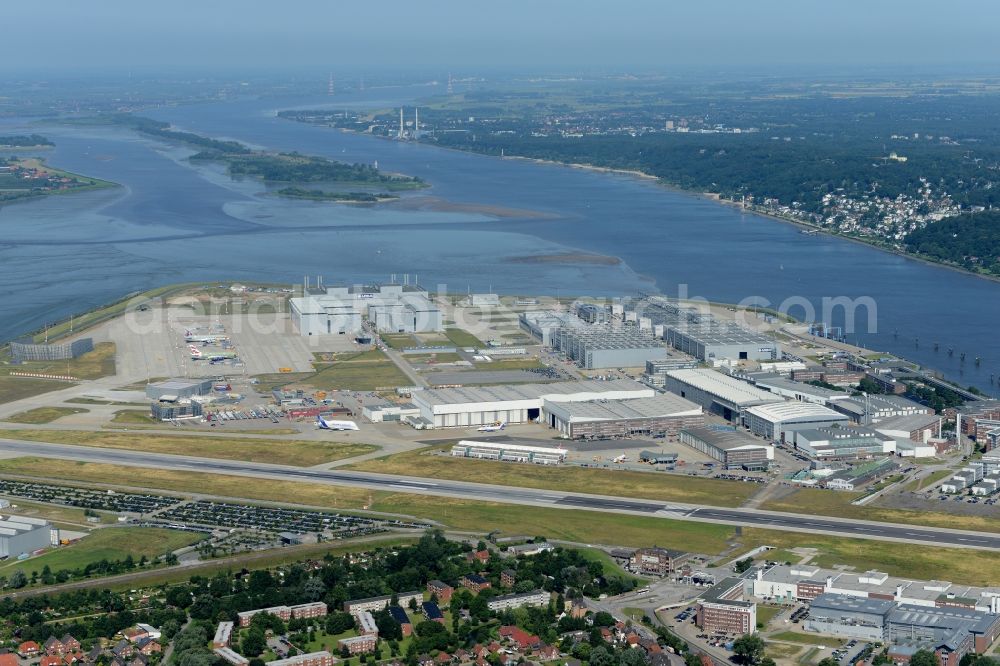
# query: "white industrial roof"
[723,386]
[791,411]
[666,405]
[515,392]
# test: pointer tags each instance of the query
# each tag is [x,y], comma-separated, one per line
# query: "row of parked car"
[265,412]
[86,498]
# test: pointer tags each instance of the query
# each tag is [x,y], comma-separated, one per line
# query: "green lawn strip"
[290,452]
[110,543]
[648,485]
[43,415]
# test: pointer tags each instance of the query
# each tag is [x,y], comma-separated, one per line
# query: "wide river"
[176,222]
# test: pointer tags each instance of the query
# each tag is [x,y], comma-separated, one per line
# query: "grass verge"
[647,485]
[462,338]
[820,502]
[112,543]
[290,452]
[44,415]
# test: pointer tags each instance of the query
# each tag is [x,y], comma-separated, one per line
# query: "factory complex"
[391,308]
[516,403]
[905,614]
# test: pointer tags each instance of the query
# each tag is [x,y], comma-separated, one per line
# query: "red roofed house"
[29,649]
[51,660]
[9,659]
[547,652]
[481,556]
[521,638]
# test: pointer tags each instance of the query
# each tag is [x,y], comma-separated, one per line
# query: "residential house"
[480,556]
[29,649]
[441,590]
[364,644]
[399,615]
[432,612]
[475,583]
[508,577]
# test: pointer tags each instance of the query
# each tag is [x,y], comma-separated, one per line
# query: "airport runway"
[513,495]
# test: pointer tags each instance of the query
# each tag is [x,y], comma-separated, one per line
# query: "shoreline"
[712,196]
[716,198]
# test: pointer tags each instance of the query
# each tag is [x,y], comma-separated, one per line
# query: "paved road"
[513,495]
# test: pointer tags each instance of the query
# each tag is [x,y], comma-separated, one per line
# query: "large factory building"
[719,394]
[608,347]
[20,535]
[734,449]
[721,340]
[483,405]
[779,421]
[392,308]
[661,415]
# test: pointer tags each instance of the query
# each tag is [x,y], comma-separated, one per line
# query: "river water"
[173,221]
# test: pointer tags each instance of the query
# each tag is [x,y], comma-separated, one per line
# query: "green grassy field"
[461,338]
[766,613]
[366,371]
[781,651]
[16,388]
[290,452]
[928,480]
[667,487]
[832,503]
[361,371]
[972,567]
[398,340]
[806,639]
[444,357]
[134,417]
[112,543]
[610,566]
[44,414]
[55,513]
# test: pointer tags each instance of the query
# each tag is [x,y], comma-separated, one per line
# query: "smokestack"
[416,122]
[400,122]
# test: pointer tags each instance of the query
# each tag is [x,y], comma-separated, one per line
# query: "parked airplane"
[620,459]
[208,339]
[493,427]
[324,424]
[199,355]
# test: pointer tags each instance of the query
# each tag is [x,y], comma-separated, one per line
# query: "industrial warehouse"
[734,449]
[20,535]
[391,308]
[516,403]
[776,420]
[663,415]
[608,347]
[717,393]
[717,340]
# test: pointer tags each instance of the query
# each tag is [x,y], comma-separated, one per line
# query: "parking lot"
[86,498]
[278,519]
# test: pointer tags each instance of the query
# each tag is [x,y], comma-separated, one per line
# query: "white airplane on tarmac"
[324,424]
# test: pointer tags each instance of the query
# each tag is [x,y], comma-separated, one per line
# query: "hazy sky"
[553,35]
